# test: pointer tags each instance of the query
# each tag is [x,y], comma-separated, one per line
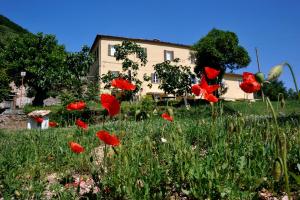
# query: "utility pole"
[23,74]
[258,66]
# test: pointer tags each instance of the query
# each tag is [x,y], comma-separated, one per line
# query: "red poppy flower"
[107,138]
[205,90]
[76,148]
[167,117]
[122,84]
[247,76]
[250,87]
[79,105]
[38,120]
[53,124]
[211,73]
[81,124]
[110,103]
[249,84]
[211,98]
[208,88]
[196,89]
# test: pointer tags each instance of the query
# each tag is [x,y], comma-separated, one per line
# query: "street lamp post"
[23,74]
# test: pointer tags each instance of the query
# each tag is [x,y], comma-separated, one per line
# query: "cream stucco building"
[157,51]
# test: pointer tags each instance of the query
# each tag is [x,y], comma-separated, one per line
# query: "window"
[111,50]
[115,73]
[145,51]
[154,78]
[194,79]
[129,74]
[193,58]
[240,81]
[96,54]
[169,55]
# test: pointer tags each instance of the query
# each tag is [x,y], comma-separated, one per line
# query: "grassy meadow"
[229,154]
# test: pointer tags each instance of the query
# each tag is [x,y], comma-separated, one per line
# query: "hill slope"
[9,28]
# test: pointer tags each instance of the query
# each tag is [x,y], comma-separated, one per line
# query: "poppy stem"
[281,149]
[105,156]
[295,82]
[115,151]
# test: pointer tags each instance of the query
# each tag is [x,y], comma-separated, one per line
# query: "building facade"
[157,52]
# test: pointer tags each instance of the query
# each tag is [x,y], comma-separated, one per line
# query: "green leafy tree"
[8,30]
[129,67]
[292,94]
[41,58]
[78,65]
[4,84]
[273,89]
[49,68]
[174,78]
[220,50]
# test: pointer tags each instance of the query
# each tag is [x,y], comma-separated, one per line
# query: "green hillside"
[9,28]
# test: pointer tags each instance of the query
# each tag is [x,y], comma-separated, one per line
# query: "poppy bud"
[230,127]
[242,122]
[260,77]
[170,111]
[282,103]
[139,183]
[275,72]
[179,128]
[277,169]
[282,143]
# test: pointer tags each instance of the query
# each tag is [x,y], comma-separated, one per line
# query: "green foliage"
[78,65]
[200,160]
[92,91]
[13,27]
[49,68]
[107,78]
[130,68]
[272,90]
[221,50]
[41,58]
[174,79]
[292,94]
[4,84]
[8,30]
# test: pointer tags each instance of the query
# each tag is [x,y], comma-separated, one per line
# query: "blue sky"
[273,26]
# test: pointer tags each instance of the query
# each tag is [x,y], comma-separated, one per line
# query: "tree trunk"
[39,98]
[185,101]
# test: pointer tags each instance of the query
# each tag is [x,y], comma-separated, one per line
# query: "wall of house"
[155,54]
[234,92]
[94,69]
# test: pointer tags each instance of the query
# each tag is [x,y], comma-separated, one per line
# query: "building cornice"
[154,41]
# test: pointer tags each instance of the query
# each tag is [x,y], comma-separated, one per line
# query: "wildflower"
[167,117]
[38,120]
[79,105]
[53,124]
[107,138]
[76,148]
[205,90]
[211,73]
[249,84]
[123,84]
[111,104]
[163,140]
[81,124]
